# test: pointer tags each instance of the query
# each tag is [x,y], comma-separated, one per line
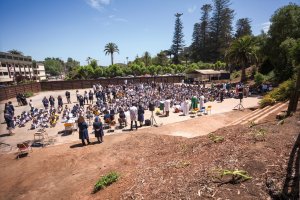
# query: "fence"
[12,91]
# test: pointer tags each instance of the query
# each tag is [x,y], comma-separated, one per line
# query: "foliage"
[16,52]
[243,27]
[266,101]
[281,93]
[237,176]
[215,138]
[259,135]
[71,64]
[259,78]
[106,181]
[111,48]
[285,25]
[242,52]
[28,94]
[53,66]
[178,41]
[201,36]
[220,29]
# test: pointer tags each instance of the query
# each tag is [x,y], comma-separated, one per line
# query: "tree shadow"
[290,188]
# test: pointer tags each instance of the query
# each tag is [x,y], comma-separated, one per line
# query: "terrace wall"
[11,91]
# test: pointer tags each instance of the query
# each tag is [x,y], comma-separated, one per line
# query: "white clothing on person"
[201,100]
[167,104]
[133,113]
[185,107]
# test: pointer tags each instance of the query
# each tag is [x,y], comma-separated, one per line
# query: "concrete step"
[277,108]
[262,113]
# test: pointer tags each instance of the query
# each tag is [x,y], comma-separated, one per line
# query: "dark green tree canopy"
[243,27]
[178,42]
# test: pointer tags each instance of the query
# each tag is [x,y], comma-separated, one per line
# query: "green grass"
[28,94]
[215,138]
[106,181]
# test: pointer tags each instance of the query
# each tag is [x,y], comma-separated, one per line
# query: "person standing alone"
[133,116]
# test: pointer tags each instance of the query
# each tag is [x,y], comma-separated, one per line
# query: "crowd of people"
[117,104]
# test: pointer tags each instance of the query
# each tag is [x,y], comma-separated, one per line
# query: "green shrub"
[266,101]
[28,94]
[106,181]
[281,93]
[259,78]
[235,74]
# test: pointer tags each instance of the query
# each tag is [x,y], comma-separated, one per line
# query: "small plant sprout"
[237,176]
[215,138]
[106,181]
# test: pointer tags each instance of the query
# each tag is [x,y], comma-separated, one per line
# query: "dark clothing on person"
[60,101]
[51,100]
[45,103]
[68,95]
[83,132]
[98,127]
[141,115]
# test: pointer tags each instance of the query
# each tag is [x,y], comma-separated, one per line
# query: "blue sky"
[81,28]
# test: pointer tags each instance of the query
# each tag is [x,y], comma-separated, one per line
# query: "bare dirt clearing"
[154,166]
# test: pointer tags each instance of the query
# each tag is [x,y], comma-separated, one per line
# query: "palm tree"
[111,48]
[242,52]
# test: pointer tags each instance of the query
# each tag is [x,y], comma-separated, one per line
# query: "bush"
[235,74]
[106,181]
[28,94]
[281,93]
[259,78]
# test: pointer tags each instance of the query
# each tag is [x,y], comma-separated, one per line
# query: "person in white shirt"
[167,104]
[133,116]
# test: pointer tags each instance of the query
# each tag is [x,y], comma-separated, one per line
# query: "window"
[3,65]
[5,73]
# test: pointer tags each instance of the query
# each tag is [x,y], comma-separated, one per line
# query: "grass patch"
[237,176]
[215,138]
[259,135]
[28,94]
[106,181]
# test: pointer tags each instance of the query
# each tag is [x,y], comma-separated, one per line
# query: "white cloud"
[121,20]
[266,26]
[192,9]
[98,4]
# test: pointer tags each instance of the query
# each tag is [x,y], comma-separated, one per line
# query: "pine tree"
[195,46]
[204,31]
[220,29]
[178,42]
[201,36]
[243,27]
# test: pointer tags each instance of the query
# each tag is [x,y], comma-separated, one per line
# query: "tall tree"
[178,42]
[147,58]
[195,46]
[285,23]
[242,52]
[204,31]
[88,59]
[71,63]
[220,29]
[295,51]
[111,48]
[243,27]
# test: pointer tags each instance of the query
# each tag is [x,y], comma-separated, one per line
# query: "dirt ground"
[156,166]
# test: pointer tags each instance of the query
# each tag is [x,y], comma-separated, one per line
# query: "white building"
[39,71]
[12,65]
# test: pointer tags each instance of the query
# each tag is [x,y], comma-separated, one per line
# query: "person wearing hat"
[98,127]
